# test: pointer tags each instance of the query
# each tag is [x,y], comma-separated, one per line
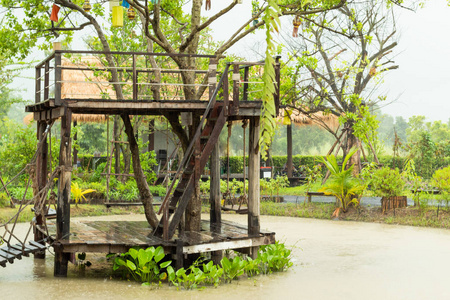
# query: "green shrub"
[4,200]
[387,182]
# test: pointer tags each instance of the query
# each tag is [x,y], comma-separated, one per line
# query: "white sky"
[421,83]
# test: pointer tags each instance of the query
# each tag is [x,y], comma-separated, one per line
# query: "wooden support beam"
[63,204]
[41,177]
[253,182]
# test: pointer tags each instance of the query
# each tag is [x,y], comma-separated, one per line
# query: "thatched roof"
[82,84]
[318,118]
[80,118]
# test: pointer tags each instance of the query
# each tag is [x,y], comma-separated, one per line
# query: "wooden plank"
[12,251]
[9,257]
[37,245]
[23,250]
[3,262]
[245,243]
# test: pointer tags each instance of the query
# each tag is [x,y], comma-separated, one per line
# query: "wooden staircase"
[10,253]
[194,160]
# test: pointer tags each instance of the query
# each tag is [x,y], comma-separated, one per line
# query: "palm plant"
[78,193]
[341,184]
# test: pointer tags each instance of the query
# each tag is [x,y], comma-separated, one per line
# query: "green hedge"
[236,164]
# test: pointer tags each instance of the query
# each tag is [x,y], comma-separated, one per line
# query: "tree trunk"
[116,138]
[144,191]
[353,142]
[194,208]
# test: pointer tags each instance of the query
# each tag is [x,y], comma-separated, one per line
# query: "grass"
[82,210]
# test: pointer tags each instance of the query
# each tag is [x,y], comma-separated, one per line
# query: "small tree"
[341,184]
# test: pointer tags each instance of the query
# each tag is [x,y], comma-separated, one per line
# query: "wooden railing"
[93,75]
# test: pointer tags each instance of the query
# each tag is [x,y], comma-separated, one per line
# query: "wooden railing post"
[46,80]
[135,87]
[212,76]
[277,87]
[58,73]
[236,83]
[37,96]
[245,96]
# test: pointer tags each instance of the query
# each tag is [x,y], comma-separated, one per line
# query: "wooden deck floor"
[119,236]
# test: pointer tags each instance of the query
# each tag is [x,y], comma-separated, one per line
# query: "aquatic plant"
[143,265]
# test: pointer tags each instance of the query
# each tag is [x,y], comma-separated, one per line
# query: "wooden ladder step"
[37,245]
[25,252]
[12,251]
[9,257]
[3,262]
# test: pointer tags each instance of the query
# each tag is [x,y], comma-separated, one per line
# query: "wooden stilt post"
[215,198]
[41,177]
[253,182]
[63,204]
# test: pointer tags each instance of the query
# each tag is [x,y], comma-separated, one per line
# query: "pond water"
[333,260]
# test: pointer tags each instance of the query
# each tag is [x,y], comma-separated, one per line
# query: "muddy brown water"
[333,260]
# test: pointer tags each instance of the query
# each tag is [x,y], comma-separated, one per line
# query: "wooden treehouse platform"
[76,82]
[119,236]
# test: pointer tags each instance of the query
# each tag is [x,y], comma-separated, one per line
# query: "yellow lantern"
[87,6]
[131,14]
[117,16]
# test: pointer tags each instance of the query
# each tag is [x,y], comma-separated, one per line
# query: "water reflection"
[333,260]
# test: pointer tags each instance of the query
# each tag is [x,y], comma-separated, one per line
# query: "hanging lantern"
[239,1]
[125,4]
[131,14]
[117,16]
[297,22]
[54,14]
[254,14]
[87,6]
[155,2]
[113,3]
[208,5]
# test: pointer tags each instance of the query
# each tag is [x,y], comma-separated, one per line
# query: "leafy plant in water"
[232,269]
[144,265]
[190,278]
[274,258]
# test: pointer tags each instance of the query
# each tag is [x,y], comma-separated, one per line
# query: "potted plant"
[388,183]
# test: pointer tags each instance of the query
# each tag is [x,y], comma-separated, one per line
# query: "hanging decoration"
[239,1]
[87,6]
[117,16]
[296,22]
[154,2]
[254,14]
[113,3]
[131,13]
[125,4]
[54,14]
[208,5]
